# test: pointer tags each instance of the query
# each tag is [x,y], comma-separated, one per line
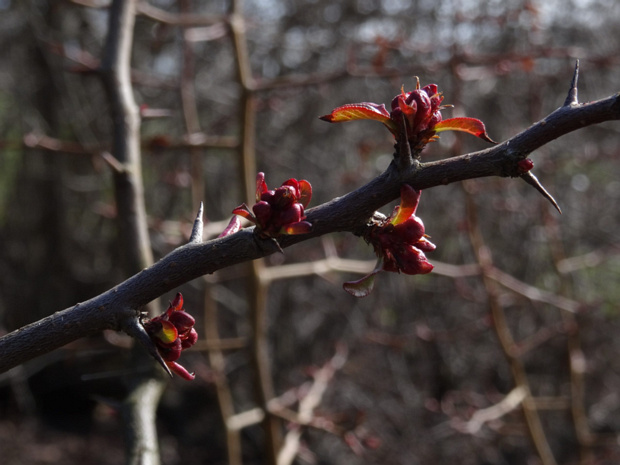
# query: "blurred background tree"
[227,89]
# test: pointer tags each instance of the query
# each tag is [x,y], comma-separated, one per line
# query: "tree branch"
[114,308]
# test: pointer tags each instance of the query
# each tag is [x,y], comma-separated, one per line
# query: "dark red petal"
[301,227]
[410,231]
[267,196]
[171,352]
[430,89]
[425,245]
[283,197]
[261,185]
[292,214]
[180,370]
[262,211]
[182,321]
[189,339]
[294,184]
[244,211]
[412,260]
[177,303]
[305,193]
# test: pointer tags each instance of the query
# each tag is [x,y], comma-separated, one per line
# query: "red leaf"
[359,111]
[177,303]
[409,199]
[233,226]
[470,125]
[180,370]
[300,227]
[305,192]
[261,185]
[243,210]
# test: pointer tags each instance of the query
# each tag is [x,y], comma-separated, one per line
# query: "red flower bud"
[172,332]
[525,165]
[262,211]
[284,197]
[412,260]
[430,89]
[279,211]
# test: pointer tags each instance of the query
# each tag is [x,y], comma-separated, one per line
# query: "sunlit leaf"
[244,211]
[409,199]
[168,332]
[360,111]
[469,125]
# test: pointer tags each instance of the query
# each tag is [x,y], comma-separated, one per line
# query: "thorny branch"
[111,309]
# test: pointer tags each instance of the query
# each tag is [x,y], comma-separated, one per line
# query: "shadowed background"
[417,358]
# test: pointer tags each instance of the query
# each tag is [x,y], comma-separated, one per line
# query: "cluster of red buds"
[421,111]
[399,242]
[173,332]
[281,210]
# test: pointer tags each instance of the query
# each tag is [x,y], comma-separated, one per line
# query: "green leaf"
[364,286]
[469,125]
[360,111]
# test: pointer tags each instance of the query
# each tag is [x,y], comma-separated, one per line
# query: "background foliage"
[423,353]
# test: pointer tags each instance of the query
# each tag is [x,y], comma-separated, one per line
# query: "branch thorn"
[196,235]
[535,183]
[572,97]
[405,158]
[134,328]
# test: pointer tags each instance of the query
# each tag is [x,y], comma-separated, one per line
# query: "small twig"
[218,364]
[113,162]
[309,403]
[506,339]
[181,19]
[512,400]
